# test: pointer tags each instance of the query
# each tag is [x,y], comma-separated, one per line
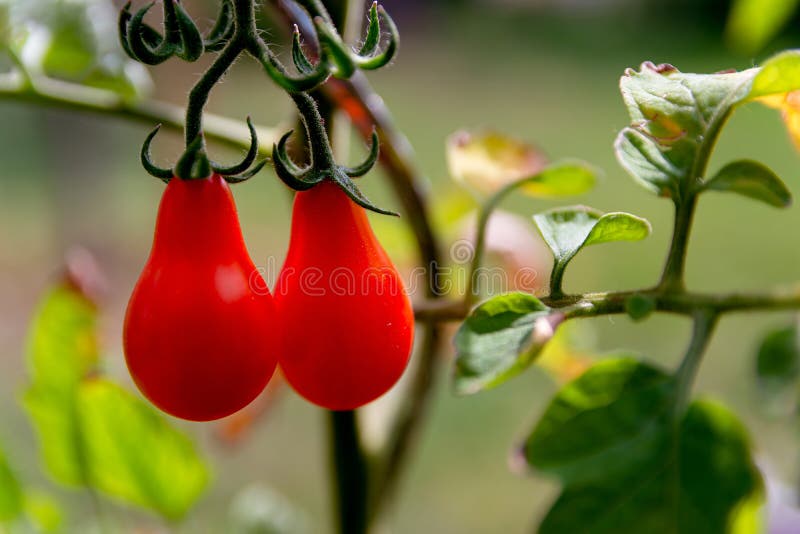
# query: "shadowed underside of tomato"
[347,323]
[199,328]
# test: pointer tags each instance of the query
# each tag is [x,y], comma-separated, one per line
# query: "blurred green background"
[543,71]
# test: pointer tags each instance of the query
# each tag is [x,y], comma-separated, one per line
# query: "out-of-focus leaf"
[611,437]
[92,432]
[486,162]
[561,179]
[753,23]
[748,517]
[751,179]
[63,344]
[135,454]
[258,509]
[43,512]
[568,354]
[778,359]
[11,496]
[500,339]
[611,418]
[777,85]
[72,40]
[63,349]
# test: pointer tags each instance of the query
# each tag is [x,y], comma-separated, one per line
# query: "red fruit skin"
[347,322]
[199,333]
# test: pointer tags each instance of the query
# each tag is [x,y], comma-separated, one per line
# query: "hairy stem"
[674,269]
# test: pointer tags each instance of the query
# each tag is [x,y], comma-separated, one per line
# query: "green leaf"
[91,431]
[135,454]
[778,359]
[75,41]
[567,230]
[675,117]
[62,351]
[753,23]
[11,496]
[564,178]
[626,466]
[43,512]
[779,74]
[753,180]
[500,339]
[609,419]
[643,159]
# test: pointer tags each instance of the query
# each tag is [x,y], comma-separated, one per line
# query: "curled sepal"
[301,61]
[367,58]
[306,82]
[194,163]
[248,160]
[223,29]
[372,157]
[144,42]
[191,40]
[289,173]
[147,160]
[335,50]
[351,190]
[373,36]
[244,176]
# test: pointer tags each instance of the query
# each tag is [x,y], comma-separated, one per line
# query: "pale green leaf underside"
[751,179]
[567,230]
[676,116]
[498,341]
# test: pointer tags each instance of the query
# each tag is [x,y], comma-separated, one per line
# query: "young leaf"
[751,179]
[134,454]
[11,496]
[567,230]
[500,339]
[612,438]
[778,75]
[674,117]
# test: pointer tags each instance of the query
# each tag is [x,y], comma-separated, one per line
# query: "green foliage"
[71,40]
[11,496]
[134,454]
[500,339]
[753,23]
[567,230]
[630,463]
[92,432]
[675,118]
[778,359]
[751,179]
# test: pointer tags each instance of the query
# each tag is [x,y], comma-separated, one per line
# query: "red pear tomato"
[199,328]
[347,322]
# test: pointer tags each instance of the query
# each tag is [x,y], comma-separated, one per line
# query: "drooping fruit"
[347,322]
[199,331]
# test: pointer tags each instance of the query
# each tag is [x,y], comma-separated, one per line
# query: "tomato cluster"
[203,336]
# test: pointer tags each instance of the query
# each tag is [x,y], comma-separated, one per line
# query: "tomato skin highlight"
[199,333]
[347,322]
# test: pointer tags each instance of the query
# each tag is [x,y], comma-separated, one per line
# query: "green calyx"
[322,165]
[180,37]
[195,164]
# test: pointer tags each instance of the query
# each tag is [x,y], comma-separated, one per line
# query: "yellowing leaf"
[485,162]
[789,106]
